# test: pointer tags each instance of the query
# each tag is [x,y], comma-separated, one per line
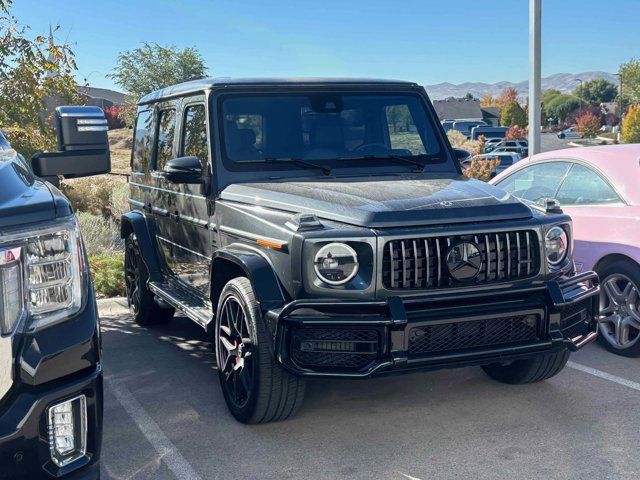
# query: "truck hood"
[23,197]
[386,201]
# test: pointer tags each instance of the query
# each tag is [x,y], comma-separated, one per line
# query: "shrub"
[631,125]
[99,195]
[107,272]
[588,125]
[458,140]
[481,168]
[516,133]
[114,121]
[28,141]
[101,235]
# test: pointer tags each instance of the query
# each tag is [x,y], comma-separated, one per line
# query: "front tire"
[142,304]
[255,388]
[529,370]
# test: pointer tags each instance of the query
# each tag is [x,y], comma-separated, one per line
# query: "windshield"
[332,129]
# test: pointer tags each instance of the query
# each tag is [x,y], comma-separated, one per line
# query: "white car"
[569,133]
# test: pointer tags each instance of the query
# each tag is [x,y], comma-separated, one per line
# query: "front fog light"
[68,430]
[336,263]
[556,244]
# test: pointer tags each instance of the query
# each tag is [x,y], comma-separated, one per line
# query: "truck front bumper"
[358,339]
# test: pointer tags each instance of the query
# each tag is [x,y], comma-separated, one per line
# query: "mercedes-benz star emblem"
[464,261]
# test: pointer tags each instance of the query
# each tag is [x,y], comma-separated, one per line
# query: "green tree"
[596,91]
[152,66]
[561,106]
[630,79]
[631,125]
[33,69]
[513,114]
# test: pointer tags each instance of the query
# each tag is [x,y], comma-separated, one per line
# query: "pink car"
[599,187]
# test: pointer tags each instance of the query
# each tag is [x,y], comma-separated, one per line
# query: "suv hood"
[23,197]
[386,201]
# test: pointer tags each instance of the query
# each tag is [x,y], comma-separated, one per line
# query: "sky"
[427,41]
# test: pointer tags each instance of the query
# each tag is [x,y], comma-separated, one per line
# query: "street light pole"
[535,72]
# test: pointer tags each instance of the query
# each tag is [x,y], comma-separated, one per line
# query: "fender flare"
[256,268]
[135,222]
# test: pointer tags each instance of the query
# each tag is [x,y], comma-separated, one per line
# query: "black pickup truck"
[323,228]
[50,370]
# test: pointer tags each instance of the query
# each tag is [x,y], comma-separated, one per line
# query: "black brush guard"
[358,339]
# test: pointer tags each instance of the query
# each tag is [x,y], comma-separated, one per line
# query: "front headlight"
[336,263]
[556,243]
[44,276]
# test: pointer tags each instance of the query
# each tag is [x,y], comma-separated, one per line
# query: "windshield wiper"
[299,161]
[391,157]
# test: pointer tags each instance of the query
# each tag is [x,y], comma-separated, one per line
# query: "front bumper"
[333,338]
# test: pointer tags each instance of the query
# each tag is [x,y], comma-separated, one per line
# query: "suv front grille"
[470,334]
[421,263]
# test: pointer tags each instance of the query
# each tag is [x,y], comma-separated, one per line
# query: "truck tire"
[615,278]
[255,388]
[529,370]
[143,307]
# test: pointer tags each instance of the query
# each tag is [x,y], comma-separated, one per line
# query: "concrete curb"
[112,306]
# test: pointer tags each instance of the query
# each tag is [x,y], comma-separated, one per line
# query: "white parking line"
[606,376]
[167,451]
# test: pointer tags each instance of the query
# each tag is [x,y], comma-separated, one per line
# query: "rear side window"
[194,133]
[166,135]
[143,142]
[583,186]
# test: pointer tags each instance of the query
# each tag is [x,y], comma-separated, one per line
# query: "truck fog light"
[68,430]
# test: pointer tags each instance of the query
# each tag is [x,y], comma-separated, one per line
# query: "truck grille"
[421,263]
[470,334]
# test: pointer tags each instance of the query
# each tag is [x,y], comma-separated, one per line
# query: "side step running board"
[194,307]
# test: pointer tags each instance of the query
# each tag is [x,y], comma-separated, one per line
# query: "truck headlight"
[556,242]
[336,263]
[41,273]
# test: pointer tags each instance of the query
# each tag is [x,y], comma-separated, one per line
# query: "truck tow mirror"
[83,145]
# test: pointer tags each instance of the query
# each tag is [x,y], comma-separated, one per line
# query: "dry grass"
[120,143]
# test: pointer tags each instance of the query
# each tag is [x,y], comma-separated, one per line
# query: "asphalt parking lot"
[165,418]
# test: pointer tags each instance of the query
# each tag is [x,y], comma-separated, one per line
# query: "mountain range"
[565,82]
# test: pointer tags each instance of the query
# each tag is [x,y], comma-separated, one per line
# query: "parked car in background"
[506,159]
[488,132]
[570,132]
[288,219]
[599,187]
[50,351]
[518,146]
[465,126]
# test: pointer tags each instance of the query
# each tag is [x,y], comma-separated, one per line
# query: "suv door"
[182,213]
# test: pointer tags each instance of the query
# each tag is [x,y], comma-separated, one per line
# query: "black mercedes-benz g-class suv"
[50,371]
[323,228]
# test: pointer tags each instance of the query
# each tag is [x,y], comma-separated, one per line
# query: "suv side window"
[194,133]
[166,134]
[143,142]
[583,186]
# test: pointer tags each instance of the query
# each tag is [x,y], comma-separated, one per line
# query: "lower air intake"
[466,335]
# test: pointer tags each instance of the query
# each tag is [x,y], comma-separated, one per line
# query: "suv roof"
[195,86]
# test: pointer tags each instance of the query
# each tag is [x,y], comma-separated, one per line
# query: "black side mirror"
[184,170]
[83,145]
[462,155]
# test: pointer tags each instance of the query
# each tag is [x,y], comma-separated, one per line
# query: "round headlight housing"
[336,263]
[556,243]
